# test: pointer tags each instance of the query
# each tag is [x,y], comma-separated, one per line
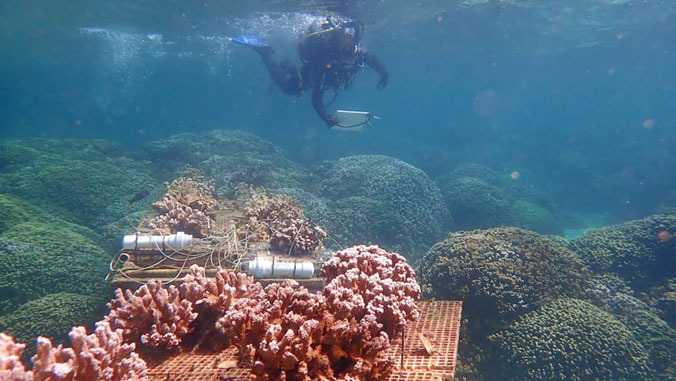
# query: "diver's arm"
[318,104]
[375,64]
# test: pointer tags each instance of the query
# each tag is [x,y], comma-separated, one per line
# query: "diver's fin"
[249,40]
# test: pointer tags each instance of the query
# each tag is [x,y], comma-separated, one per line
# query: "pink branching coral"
[99,356]
[279,332]
[282,330]
[217,293]
[185,207]
[289,333]
[384,282]
[158,315]
[11,367]
[280,220]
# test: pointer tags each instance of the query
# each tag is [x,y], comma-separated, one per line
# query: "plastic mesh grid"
[420,375]
[196,366]
[439,322]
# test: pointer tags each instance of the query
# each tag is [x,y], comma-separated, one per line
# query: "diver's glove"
[331,120]
[383,81]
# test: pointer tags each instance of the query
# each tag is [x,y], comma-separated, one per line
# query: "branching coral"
[217,293]
[185,208]
[385,282]
[280,220]
[11,367]
[295,236]
[283,331]
[289,333]
[158,315]
[103,355]
[99,356]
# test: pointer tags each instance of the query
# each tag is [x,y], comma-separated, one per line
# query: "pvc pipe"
[266,268]
[173,241]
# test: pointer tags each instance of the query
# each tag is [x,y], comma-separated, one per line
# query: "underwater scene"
[338,190]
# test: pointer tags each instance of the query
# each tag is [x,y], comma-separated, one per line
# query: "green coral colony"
[600,306]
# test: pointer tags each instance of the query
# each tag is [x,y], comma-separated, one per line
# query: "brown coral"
[156,315]
[185,208]
[280,220]
[295,236]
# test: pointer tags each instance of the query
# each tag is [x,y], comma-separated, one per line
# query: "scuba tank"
[317,41]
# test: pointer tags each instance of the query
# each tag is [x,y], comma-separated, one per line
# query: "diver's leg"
[288,82]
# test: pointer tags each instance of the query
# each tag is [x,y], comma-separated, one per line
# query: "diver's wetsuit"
[331,56]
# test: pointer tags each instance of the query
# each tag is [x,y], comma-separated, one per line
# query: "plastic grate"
[439,322]
[195,367]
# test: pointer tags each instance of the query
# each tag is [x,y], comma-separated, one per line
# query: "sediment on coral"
[568,339]
[501,273]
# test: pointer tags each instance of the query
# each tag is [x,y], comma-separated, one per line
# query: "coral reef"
[85,182]
[531,216]
[314,207]
[279,220]
[289,333]
[658,339]
[568,339]
[51,316]
[158,316]
[84,192]
[229,157]
[36,262]
[185,208]
[363,220]
[99,356]
[285,331]
[406,191]
[219,292]
[633,250]
[500,273]
[475,203]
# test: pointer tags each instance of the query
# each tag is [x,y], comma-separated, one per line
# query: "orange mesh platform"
[439,323]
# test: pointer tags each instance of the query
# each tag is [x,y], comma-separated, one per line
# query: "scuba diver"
[331,56]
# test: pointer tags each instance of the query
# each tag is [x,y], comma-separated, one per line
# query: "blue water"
[562,91]
[572,103]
